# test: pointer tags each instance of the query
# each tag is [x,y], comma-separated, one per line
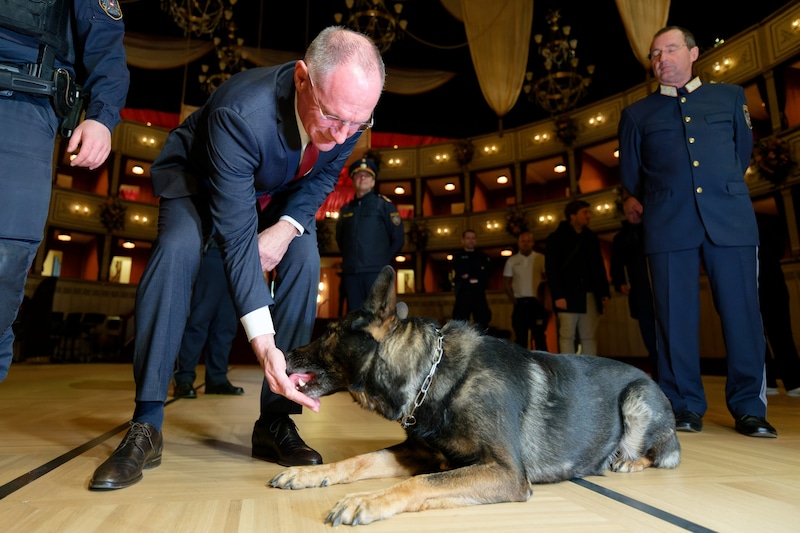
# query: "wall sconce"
[449,257]
[139,219]
[596,121]
[149,142]
[506,253]
[602,209]
[502,180]
[400,259]
[796,25]
[492,225]
[560,168]
[540,138]
[137,169]
[82,210]
[720,67]
[546,219]
[490,149]
[449,186]
[441,158]
[64,236]
[332,214]
[443,231]
[129,245]
[616,152]
[394,162]
[399,190]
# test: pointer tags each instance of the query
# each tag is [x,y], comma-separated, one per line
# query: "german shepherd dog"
[484,419]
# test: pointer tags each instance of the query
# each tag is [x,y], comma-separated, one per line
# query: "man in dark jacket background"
[577,278]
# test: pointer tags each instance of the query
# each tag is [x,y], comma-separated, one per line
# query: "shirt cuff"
[293,222]
[258,322]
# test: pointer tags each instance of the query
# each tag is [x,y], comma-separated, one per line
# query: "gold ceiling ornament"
[200,17]
[560,89]
[373,18]
[231,59]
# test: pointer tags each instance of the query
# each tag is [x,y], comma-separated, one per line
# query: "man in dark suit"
[233,170]
[683,153]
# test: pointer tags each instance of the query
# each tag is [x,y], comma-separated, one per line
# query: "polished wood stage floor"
[59,422]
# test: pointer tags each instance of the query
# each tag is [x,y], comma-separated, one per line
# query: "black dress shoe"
[688,421]
[277,440]
[184,390]
[140,449]
[755,426]
[224,388]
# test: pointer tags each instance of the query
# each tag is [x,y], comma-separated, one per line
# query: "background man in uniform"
[684,150]
[471,269]
[369,233]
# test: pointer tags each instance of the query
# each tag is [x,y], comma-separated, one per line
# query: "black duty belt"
[62,89]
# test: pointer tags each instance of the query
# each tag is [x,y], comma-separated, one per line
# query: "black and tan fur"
[496,418]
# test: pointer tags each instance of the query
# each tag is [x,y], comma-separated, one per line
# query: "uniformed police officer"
[369,233]
[471,270]
[684,150]
[44,48]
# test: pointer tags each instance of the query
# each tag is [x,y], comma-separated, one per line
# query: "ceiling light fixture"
[373,18]
[560,89]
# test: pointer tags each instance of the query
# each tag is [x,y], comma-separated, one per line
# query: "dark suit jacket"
[245,142]
[684,158]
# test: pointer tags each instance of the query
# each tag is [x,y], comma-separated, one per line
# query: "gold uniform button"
[695,163]
[683,99]
[699,190]
[691,140]
[687,119]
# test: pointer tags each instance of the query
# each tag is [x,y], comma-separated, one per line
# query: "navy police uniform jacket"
[242,143]
[99,66]
[369,233]
[683,156]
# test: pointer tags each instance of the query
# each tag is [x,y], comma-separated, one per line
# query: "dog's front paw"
[360,509]
[300,477]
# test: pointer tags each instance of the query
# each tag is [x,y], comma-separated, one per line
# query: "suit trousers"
[164,296]
[733,276]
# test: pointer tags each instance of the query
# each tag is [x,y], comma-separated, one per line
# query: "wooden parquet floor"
[59,422]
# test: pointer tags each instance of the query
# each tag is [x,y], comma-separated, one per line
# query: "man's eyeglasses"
[669,50]
[335,122]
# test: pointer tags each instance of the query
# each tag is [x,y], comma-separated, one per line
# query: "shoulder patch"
[747,116]
[112,8]
[396,220]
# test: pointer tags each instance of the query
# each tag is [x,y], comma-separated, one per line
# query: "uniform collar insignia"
[693,85]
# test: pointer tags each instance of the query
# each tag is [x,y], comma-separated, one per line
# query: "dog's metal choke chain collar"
[409,420]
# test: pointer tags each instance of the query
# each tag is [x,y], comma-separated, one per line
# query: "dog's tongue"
[298,377]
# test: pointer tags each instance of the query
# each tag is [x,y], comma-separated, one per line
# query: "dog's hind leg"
[647,429]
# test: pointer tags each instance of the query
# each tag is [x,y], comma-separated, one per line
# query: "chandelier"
[231,59]
[200,17]
[373,18]
[563,86]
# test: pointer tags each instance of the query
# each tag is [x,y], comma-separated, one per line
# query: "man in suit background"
[233,170]
[684,150]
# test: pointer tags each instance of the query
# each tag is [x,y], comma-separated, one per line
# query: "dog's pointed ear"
[382,299]
[402,310]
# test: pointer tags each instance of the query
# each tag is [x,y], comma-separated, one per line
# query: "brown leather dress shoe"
[755,426]
[140,449]
[224,388]
[277,441]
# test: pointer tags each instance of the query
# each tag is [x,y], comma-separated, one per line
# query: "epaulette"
[385,198]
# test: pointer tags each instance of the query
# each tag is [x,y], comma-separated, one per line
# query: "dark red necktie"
[309,159]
